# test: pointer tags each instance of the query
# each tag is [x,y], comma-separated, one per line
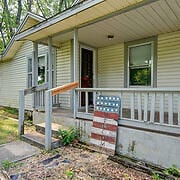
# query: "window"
[141,64]
[29,76]
[42,71]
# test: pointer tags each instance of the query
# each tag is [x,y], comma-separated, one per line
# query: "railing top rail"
[177,90]
[35,88]
[64,88]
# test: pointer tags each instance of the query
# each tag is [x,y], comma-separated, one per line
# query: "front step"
[55,127]
[38,140]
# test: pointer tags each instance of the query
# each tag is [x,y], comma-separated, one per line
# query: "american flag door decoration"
[105,122]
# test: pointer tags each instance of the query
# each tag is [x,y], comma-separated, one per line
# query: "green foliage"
[68,135]
[156,176]
[173,170]
[11,12]
[11,110]
[6,164]
[69,173]
[127,177]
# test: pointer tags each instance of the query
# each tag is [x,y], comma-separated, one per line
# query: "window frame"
[46,66]
[29,73]
[128,45]
[46,69]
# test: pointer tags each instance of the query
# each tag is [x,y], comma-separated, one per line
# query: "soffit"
[75,17]
[159,17]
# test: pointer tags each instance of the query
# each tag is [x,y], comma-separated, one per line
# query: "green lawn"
[8,127]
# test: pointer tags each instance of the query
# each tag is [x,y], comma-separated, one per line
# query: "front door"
[86,74]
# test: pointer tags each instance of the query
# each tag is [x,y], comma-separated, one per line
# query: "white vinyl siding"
[63,72]
[110,66]
[168,64]
[13,77]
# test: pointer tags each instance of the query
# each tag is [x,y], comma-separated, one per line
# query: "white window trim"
[46,70]
[152,64]
[28,73]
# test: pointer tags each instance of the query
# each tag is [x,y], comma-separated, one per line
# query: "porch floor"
[63,112]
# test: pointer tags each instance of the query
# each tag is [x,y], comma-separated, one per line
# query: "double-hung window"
[29,72]
[141,64]
[42,67]
[42,71]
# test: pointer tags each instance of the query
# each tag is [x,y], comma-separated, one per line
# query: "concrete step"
[40,128]
[38,140]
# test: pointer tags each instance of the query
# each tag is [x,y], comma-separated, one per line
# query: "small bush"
[7,164]
[68,135]
[173,170]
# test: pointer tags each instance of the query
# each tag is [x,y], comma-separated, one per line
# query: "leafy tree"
[12,12]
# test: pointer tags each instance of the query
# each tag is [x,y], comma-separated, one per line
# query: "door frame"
[82,46]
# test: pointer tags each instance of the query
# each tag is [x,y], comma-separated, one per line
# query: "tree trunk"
[18,17]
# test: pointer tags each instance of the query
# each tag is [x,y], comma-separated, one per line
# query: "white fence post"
[21,113]
[48,119]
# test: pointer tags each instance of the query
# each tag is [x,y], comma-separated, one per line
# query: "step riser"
[41,130]
[40,145]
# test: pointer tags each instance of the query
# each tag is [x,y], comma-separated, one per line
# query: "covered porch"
[100,52]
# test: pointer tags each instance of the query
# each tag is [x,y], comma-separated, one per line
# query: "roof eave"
[70,12]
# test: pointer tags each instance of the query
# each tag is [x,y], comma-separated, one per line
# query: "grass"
[8,127]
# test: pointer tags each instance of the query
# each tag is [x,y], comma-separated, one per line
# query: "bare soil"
[73,163]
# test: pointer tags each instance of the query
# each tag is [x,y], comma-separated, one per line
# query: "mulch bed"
[73,163]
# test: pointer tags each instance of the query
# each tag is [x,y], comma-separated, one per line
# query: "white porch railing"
[39,100]
[153,105]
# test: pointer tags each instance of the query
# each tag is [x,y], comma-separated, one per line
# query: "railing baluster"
[161,118]
[94,100]
[86,101]
[170,108]
[153,101]
[121,113]
[139,106]
[132,105]
[145,106]
[178,109]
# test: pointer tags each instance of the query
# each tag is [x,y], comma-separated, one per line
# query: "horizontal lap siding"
[168,64]
[63,69]
[111,66]
[13,77]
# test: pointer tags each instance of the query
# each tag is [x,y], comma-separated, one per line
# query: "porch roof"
[96,19]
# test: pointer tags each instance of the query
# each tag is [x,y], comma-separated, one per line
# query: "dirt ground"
[73,163]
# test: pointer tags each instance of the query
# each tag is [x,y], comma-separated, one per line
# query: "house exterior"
[129,49]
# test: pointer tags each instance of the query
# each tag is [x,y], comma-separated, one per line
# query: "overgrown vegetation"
[6,164]
[9,112]
[69,135]
[173,170]
[156,176]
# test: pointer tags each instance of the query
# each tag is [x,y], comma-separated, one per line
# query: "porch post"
[48,119]
[35,70]
[50,59]
[48,99]
[76,73]
[21,113]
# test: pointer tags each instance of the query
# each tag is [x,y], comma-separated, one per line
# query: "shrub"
[68,136]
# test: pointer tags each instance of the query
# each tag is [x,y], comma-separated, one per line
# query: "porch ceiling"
[156,18]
